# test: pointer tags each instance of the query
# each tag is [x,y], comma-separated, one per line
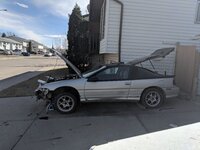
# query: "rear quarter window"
[138,73]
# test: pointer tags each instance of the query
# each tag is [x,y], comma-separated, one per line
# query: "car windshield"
[92,71]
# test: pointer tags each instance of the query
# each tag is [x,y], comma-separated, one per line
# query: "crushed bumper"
[40,94]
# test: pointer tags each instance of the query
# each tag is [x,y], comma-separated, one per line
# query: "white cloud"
[20,24]
[61,7]
[56,36]
[21,5]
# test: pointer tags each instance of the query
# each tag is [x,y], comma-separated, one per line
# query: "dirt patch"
[28,87]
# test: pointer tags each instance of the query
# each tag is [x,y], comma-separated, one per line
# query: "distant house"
[24,42]
[9,44]
[36,46]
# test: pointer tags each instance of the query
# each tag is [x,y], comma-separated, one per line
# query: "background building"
[9,44]
[24,42]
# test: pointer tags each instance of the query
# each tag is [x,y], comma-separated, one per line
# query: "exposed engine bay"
[67,77]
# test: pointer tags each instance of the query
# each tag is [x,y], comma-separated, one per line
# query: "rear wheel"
[65,103]
[152,98]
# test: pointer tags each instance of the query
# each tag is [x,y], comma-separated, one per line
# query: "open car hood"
[78,72]
[160,53]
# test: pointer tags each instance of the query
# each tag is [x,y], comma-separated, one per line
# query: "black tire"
[69,100]
[152,98]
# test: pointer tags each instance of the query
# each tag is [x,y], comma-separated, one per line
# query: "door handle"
[127,83]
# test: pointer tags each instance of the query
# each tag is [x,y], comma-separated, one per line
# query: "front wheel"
[152,98]
[65,103]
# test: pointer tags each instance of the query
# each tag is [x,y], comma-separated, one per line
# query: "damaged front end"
[43,93]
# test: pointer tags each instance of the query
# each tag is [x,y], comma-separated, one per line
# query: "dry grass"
[28,87]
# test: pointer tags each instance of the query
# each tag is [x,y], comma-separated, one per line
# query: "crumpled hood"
[78,72]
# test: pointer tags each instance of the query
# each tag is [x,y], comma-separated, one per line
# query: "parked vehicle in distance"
[109,82]
[33,52]
[48,54]
[16,52]
[25,54]
[41,52]
[2,52]
[8,52]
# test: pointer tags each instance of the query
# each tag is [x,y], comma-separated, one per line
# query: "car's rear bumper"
[172,92]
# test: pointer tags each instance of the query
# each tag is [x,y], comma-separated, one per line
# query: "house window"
[198,12]
[102,22]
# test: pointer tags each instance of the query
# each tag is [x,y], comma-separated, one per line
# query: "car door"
[110,83]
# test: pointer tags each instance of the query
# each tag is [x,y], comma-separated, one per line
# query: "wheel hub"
[153,98]
[65,103]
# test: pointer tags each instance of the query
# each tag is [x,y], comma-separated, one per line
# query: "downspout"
[120,29]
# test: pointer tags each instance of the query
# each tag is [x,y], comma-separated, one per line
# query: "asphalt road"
[25,125]
[12,66]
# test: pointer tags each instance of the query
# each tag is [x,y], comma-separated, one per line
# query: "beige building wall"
[110,58]
[97,60]
[186,71]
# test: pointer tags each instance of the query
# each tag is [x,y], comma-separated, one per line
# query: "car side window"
[139,73]
[113,74]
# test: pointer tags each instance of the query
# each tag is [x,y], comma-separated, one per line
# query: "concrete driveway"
[16,69]
[15,65]
[25,125]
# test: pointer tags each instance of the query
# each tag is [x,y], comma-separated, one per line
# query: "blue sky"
[43,20]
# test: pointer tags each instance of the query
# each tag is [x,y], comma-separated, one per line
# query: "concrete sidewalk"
[6,83]
[24,124]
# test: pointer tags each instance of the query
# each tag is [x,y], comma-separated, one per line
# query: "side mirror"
[92,79]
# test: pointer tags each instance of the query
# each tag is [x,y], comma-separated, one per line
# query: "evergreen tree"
[3,35]
[77,39]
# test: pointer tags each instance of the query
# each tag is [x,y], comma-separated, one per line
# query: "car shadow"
[97,123]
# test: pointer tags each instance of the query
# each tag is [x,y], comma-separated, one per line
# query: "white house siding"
[113,27]
[110,43]
[40,47]
[19,46]
[7,46]
[103,46]
[150,25]
[14,46]
[25,44]
[1,45]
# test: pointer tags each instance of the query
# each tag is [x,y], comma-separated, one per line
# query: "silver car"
[109,82]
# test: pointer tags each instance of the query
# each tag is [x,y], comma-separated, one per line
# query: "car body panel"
[107,90]
[138,86]
[77,84]
[126,89]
